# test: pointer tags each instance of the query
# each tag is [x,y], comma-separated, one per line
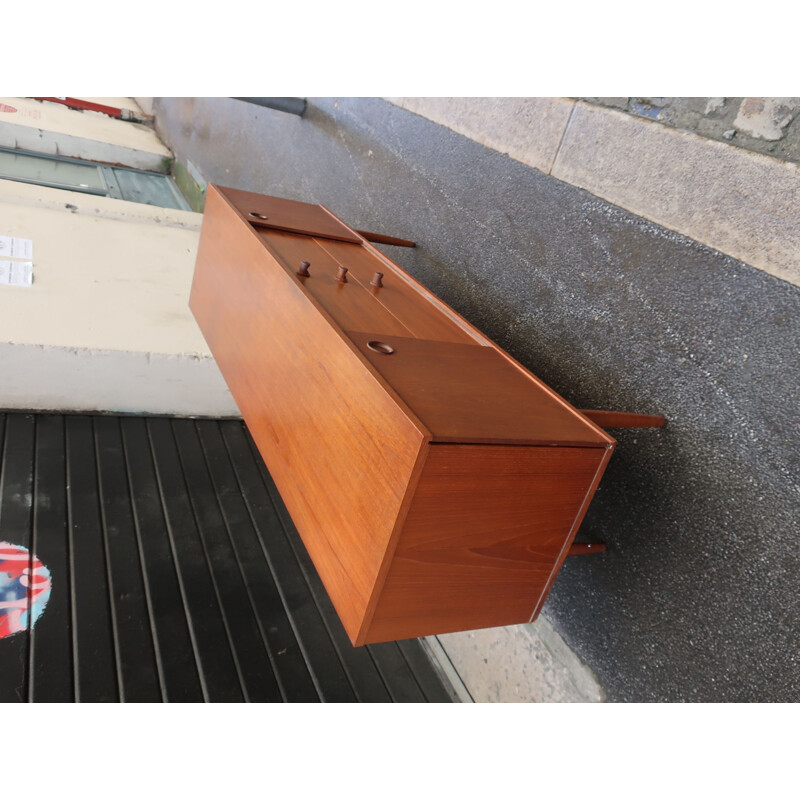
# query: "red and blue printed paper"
[24,588]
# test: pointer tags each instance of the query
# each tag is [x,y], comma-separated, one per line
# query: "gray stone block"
[741,203]
[766,117]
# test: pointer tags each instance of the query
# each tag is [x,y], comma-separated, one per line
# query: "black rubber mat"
[174,574]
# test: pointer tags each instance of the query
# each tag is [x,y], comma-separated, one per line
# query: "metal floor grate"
[177,574]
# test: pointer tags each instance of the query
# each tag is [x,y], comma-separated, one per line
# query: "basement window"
[89,177]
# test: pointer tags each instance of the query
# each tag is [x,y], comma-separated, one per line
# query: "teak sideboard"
[436,484]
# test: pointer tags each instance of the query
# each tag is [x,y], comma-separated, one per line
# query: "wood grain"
[340,448]
[436,488]
[477,335]
[623,419]
[288,215]
[382,238]
[482,534]
[468,393]
[350,304]
[423,319]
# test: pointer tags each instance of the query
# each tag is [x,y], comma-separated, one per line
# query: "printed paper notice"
[16,273]
[14,247]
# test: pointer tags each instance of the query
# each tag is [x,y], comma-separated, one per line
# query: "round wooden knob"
[377,280]
[304,265]
[342,276]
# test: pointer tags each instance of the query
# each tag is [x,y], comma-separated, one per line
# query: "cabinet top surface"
[457,383]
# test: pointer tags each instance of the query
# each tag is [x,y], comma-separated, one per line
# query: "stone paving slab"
[520,664]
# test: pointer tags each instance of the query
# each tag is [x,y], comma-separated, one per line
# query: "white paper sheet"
[15,247]
[16,273]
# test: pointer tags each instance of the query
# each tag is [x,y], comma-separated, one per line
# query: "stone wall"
[769,125]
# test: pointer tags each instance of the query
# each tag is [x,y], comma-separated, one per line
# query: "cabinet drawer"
[414,310]
[350,304]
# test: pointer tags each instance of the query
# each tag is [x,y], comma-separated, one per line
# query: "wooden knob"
[377,280]
[342,276]
[304,265]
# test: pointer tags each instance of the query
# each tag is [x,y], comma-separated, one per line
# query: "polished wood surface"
[423,295]
[468,393]
[289,215]
[621,419]
[484,529]
[381,238]
[339,447]
[396,295]
[436,483]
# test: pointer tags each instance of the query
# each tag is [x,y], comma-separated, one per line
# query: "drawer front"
[349,303]
[417,313]
[340,448]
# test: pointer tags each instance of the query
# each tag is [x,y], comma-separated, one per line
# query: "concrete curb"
[47,378]
[739,202]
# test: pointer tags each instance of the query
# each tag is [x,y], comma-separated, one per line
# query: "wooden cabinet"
[435,482]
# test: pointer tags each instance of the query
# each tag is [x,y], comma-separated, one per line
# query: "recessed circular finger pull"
[304,265]
[258,216]
[381,347]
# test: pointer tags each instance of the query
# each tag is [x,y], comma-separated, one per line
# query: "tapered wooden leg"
[621,419]
[379,238]
[583,548]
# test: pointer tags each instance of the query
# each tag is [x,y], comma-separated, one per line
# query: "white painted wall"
[101,281]
[145,103]
[106,325]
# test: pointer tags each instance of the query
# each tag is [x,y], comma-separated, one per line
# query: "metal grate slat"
[136,658]
[94,650]
[174,650]
[218,669]
[16,518]
[249,648]
[51,678]
[287,659]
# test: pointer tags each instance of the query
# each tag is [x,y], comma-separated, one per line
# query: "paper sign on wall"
[14,247]
[16,273]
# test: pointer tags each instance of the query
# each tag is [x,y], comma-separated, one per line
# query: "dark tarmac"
[697,597]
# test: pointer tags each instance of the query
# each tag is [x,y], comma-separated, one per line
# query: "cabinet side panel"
[337,445]
[485,528]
